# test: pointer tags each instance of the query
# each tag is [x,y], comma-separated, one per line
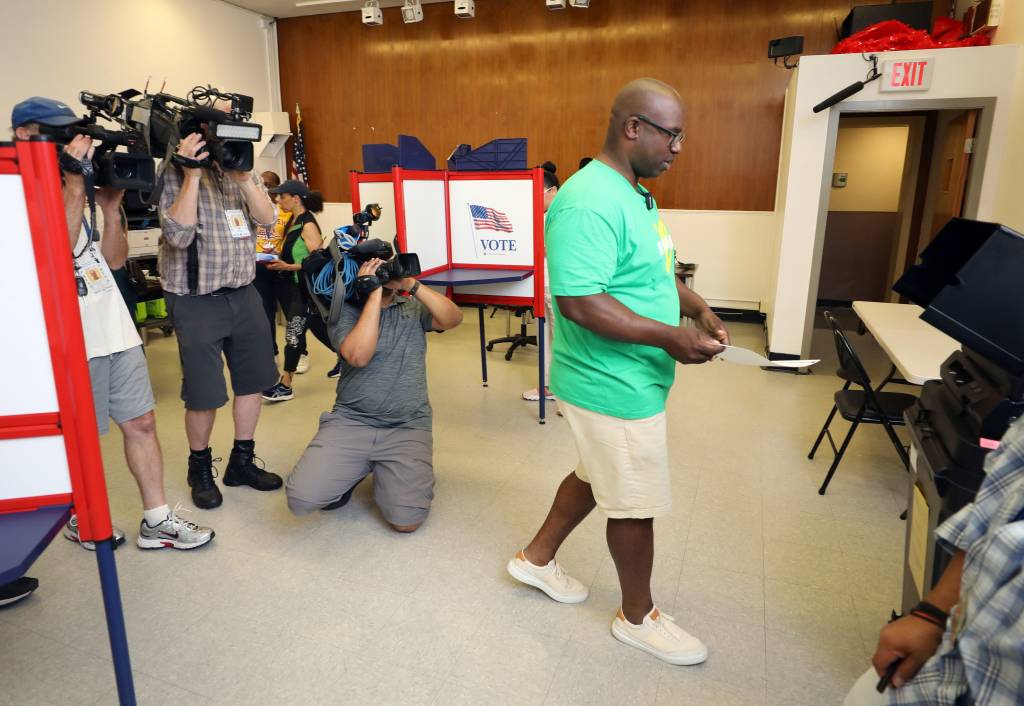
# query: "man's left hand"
[709,322]
[407,284]
[109,200]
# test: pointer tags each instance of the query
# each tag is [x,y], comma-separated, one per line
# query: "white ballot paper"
[742,356]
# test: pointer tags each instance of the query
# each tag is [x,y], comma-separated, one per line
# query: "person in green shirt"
[618,303]
[301,236]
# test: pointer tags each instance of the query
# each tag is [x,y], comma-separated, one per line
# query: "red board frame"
[75,418]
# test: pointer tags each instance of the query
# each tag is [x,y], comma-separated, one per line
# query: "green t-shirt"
[602,239]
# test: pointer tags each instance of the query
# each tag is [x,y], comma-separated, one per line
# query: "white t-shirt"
[107,326]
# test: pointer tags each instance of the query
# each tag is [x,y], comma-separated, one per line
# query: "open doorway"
[897,178]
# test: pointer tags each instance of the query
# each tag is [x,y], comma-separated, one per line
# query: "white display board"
[425,223]
[33,466]
[491,221]
[28,386]
[382,192]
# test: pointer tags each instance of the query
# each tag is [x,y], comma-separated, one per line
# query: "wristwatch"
[415,288]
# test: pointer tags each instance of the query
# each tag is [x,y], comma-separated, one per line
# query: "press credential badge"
[237,223]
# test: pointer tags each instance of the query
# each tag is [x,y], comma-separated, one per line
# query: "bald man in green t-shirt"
[618,302]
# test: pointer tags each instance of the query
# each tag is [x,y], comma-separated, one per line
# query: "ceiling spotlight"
[555,4]
[465,9]
[580,4]
[372,16]
[412,11]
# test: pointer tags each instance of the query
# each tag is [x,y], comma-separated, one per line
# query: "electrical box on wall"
[839,180]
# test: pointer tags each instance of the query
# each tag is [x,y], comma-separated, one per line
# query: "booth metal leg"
[540,358]
[115,622]
[483,344]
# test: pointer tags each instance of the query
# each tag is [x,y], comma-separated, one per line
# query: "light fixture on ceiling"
[580,4]
[412,11]
[372,16]
[465,9]
[555,4]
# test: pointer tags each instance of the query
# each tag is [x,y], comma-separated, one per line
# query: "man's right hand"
[911,639]
[191,147]
[80,148]
[691,345]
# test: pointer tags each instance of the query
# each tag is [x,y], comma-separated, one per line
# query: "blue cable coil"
[323,283]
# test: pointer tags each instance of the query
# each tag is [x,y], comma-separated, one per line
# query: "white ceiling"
[289,8]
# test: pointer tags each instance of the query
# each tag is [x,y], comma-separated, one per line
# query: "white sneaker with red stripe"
[551,579]
[174,532]
[660,636]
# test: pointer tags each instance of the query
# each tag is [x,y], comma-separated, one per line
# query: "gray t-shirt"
[391,391]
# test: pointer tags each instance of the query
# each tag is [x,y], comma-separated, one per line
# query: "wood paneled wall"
[519,70]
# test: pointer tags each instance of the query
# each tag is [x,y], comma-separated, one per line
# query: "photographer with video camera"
[117,366]
[381,422]
[209,209]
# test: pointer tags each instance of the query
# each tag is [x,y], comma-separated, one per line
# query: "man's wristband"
[415,288]
[930,613]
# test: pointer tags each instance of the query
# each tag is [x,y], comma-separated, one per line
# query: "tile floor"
[788,588]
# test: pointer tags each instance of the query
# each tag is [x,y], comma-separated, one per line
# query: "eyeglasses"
[677,137]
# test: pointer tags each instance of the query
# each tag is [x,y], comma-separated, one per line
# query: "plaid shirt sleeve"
[981,659]
[174,234]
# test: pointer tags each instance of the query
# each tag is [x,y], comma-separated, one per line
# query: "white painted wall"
[967,74]
[56,48]
[1009,206]
[872,158]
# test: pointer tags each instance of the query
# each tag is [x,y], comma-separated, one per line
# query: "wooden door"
[954,153]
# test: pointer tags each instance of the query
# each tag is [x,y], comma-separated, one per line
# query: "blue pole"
[483,343]
[540,358]
[115,622]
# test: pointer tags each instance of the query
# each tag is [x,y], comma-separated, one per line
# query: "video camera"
[397,265]
[132,169]
[166,119]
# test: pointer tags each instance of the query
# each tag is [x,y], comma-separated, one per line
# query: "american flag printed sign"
[486,218]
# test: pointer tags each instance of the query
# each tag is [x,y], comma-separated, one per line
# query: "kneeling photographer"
[381,422]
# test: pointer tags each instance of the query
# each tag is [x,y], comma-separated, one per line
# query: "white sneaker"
[660,636]
[174,532]
[303,365]
[551,579]
[71,533]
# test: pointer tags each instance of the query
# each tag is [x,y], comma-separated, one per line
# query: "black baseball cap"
[293,187]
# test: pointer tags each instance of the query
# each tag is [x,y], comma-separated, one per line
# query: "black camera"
[365,218]
[396,266]
[165,119]
[132,169]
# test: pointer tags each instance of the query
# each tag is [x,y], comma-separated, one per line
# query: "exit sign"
[910,75]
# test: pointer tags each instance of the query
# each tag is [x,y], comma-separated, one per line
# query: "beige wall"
[1009,208]
[872,158]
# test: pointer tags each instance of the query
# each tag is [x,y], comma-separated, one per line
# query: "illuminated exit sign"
[910,75]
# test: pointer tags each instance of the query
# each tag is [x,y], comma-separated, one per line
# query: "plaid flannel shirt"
[224,261]
[981,658]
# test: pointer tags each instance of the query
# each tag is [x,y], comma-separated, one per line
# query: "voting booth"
[49,446]
[479,236]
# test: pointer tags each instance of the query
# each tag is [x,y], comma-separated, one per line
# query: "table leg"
[483,345]
[540,365]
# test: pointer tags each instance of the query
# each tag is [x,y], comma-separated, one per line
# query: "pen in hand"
[890,671]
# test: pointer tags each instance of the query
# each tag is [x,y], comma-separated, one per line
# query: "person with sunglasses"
[617,309]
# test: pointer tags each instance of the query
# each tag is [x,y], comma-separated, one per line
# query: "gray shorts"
[344,452]
[120,387]
[232,325]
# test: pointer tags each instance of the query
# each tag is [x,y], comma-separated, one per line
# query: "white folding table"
[916,348]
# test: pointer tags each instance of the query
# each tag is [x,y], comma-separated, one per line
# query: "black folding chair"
[864,406]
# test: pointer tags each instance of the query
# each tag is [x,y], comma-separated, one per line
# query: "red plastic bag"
[893,35]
